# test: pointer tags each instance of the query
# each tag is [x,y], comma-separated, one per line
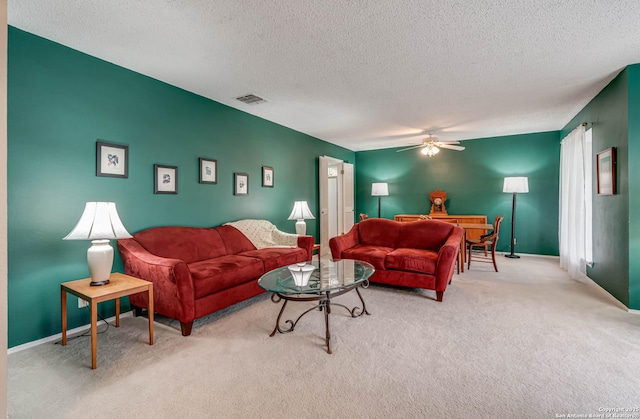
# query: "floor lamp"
[514,185]
[379,189]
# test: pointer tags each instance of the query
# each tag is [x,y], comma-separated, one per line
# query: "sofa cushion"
[413,260]
[375,255]
[427,234]
[379,232]
[189,244]
[224,272]
[275,257]
[234,241]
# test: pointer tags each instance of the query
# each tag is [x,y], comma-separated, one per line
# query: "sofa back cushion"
[379,232]
[234,241]
[427,234]
[189,244]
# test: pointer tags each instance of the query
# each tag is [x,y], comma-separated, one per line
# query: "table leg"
[117,312]
[364,306]
[94,333]
[327,313]
[150,310]
[63,311]
[463,250]
[277,328]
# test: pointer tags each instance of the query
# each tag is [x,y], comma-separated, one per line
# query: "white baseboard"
[59,335]
[588,281]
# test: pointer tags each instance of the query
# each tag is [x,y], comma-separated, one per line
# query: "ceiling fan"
[432,145]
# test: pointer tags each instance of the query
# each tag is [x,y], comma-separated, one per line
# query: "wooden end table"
[119,285]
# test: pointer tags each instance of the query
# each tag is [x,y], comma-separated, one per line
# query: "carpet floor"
[527,342]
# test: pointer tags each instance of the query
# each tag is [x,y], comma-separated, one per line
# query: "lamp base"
[100,261]
[301,228]
[512,256]
[99,283]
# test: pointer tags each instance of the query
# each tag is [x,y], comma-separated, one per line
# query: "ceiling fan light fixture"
[430,150]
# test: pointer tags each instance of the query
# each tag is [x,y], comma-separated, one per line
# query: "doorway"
[336,200]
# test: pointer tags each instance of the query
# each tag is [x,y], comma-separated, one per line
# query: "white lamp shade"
[301,211]
[99,221]
[379,189]
[516,184]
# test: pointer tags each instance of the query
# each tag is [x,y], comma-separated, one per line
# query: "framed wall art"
[208,170]
[606,171]
[112,160]
[241,184]
[267,177]
[165,179]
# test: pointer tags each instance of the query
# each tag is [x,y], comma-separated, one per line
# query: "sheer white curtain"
[573,222]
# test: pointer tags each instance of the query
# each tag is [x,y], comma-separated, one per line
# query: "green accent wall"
[473,180]
[634,185]
[61,102]
[608,116]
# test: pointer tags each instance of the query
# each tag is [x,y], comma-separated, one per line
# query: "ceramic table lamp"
[300,213]
[99,223]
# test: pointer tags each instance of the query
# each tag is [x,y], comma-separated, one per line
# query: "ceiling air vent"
[251,99]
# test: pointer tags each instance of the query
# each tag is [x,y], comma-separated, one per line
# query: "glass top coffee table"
[329,279]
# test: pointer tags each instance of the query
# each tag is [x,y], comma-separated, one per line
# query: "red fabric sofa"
[418,254]
[197,271]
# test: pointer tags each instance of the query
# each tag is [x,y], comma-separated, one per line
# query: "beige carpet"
[527,342]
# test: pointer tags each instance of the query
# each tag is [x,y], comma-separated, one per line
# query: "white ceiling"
[364,74]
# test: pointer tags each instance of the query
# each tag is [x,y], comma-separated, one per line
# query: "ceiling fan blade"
[449,142]
[410,148]
[452,147]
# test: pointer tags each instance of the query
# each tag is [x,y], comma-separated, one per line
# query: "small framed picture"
[241,184]
[267,177]
[112,160]
[208,170]
[606,171]
[166,179]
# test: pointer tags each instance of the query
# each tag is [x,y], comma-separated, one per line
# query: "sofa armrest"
[172,283]
[447,257]
[306,242]
[343,242]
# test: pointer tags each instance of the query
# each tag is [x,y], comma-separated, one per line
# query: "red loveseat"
[419,254]
[197,271]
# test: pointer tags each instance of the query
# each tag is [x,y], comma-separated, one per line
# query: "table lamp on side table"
[300,213]
[99,223]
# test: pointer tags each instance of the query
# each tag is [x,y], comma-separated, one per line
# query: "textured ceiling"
[364,74]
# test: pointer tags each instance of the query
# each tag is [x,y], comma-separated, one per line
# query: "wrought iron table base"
[324,304]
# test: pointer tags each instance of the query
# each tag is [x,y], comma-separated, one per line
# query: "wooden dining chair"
[363,216]
[483,245]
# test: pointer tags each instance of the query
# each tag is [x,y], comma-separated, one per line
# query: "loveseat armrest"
[306,243]
[172,281]
[338,244]
[447,257]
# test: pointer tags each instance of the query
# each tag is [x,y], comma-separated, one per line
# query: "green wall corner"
[633,72]
[607,115]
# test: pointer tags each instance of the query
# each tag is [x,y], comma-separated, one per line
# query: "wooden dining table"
[463,250]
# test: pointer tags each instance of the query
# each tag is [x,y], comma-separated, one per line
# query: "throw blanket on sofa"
[264,234]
